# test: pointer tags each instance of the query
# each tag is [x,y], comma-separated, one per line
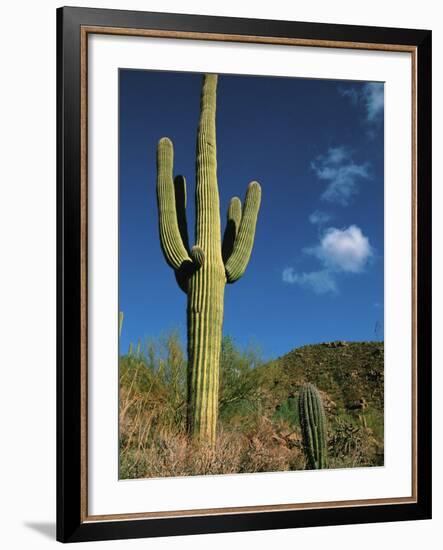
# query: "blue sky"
[316,147]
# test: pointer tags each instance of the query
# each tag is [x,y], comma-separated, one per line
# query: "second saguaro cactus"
[313,426]
[203,270]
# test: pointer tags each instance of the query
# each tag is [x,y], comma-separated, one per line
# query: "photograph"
[250,274]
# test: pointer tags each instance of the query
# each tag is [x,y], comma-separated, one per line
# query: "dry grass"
[152,445]
[258,427]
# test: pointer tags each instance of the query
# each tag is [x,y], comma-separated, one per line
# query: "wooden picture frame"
[74,25]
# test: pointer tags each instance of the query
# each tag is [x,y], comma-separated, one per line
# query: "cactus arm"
[180,206]
[182,277]
[182,274]
[232,225]
[198,256]
[236,264]
[188,268]
[170,238]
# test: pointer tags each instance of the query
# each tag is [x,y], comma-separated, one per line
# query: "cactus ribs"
[203,270]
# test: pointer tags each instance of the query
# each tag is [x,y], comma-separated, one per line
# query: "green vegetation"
[258,427]
[203,270]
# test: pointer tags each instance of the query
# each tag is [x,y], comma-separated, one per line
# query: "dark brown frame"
[73,27]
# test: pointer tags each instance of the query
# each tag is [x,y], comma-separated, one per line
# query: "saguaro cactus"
[313,426]
[203,270]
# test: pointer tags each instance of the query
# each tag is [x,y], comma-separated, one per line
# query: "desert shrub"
[374,420]
[352,445]
[258,422]
[239,382]
[288,411]
[234,452]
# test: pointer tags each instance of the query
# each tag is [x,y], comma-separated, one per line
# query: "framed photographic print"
[244,274]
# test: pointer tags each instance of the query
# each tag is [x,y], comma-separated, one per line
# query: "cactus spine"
[203,270]
[313,426]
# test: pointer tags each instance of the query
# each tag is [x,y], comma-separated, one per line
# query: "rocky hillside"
[351,374]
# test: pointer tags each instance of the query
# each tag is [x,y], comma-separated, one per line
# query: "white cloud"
[340,251]
[341,173]
[370,96]
[374,100]
[320,282]
[319,218]
[337,155]
[343,249]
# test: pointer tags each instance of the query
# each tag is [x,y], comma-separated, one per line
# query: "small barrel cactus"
[313,426]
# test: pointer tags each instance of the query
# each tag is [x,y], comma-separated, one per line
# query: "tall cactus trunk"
[205,319]
[203,271]
[207,285]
